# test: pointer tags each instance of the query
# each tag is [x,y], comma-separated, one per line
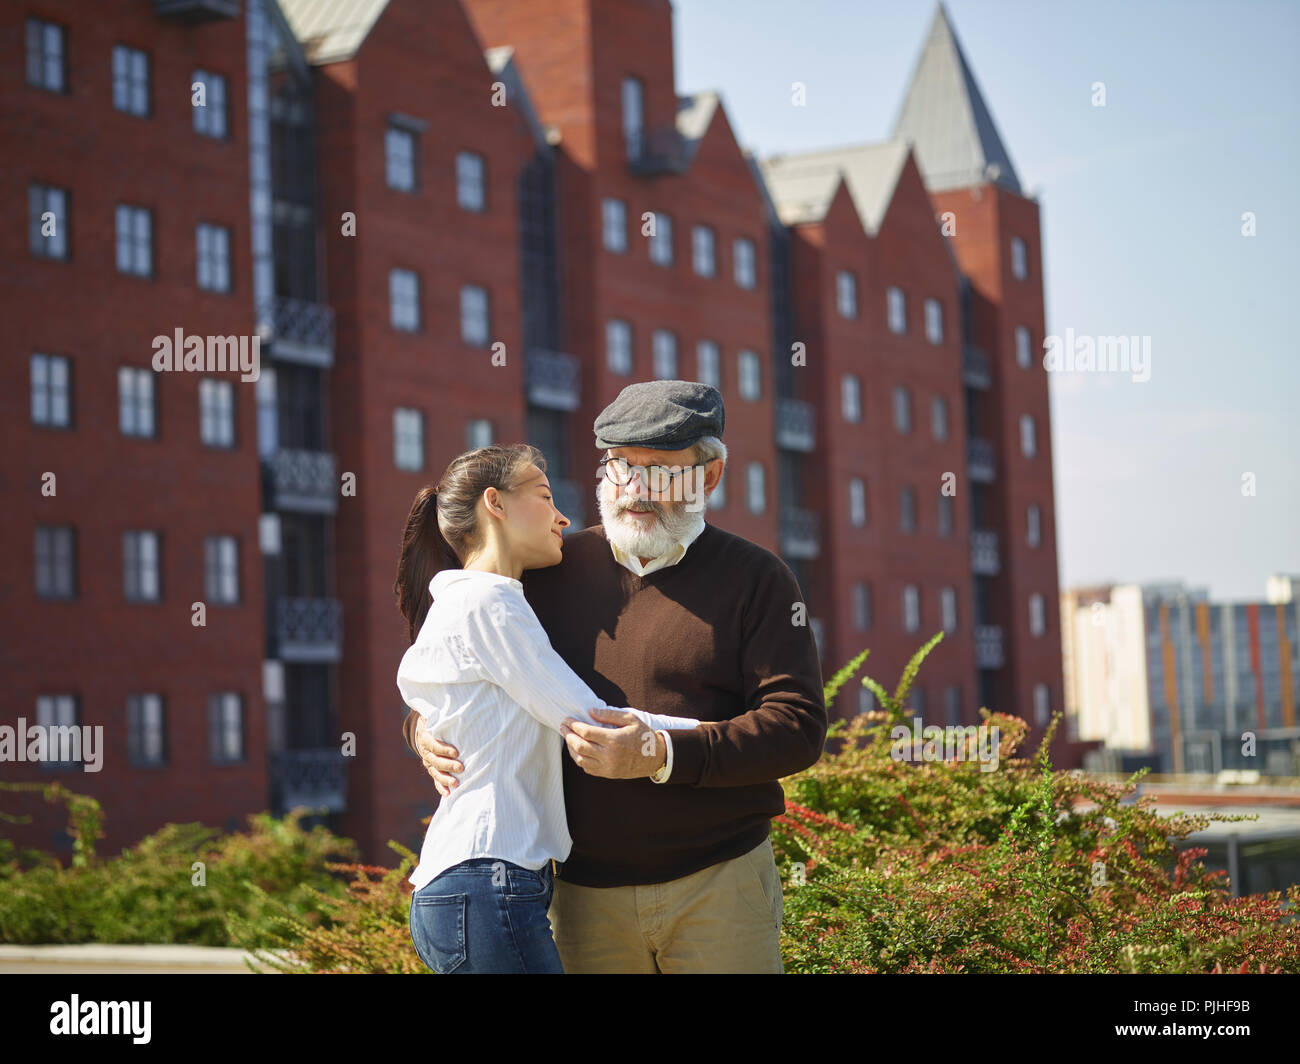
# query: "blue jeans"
[486,915]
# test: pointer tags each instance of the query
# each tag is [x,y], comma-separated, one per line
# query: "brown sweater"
[711,637]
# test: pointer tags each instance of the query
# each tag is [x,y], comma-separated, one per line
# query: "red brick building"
[449,223]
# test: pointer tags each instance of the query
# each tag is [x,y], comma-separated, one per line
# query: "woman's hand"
[439,759]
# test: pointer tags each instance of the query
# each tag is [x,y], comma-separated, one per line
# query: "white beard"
[675,523]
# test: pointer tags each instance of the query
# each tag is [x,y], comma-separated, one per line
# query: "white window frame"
[216,412]
[213,118]
[613,224]
[51,391]
[703,251]
[756,487]
[857,502]
[404,299]
[136,403]
[475,315]
[227,707]
[664,347]
[708,363]
[134,232]
[633,107]
[54,200]
[744,262]
[933,320]
[46,55]
[1037,615]
[146,729]
[896,309]
[478,433]
[618,346]
[862,606]
[1042,704]
[948,608]
[749,376]
[221,584]
[846,294]
[661,240]
[56,557]
[851,398]
[401,155]
[131,77]
[1019,259]
[1028,436]
[212,257]
[141,566]
[902,401]
[471,181]
[408,439]
[939,417]
[911,608]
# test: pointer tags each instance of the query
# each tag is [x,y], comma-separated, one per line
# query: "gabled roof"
[945,118]
[501,61]
[802,186]
[694,113]
[331,30]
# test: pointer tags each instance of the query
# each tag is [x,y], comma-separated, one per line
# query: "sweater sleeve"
[783,728]
[511,647]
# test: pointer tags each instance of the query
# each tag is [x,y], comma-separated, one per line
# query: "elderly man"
[671,868]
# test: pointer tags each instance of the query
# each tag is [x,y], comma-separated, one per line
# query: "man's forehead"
[651,456]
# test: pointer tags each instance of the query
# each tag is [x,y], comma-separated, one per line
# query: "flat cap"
[665,415]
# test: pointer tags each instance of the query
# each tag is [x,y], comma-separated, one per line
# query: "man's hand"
[439,759]
[623,753]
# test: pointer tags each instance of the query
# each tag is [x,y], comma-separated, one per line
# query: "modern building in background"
[446,224]
[1160,674]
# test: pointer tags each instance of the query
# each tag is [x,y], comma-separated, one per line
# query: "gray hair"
[708,448]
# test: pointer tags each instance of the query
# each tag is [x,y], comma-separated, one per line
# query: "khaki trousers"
[724,918]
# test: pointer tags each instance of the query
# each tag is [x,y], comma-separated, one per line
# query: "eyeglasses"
[656,478]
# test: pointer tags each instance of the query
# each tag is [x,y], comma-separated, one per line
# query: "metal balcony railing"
[308,630]
[316,779]
[988,647]
[301,332]
[981,462]
[795,425]
[553,380]
[197,10]
[976,369]
[800,533]
[302,482]
[658,150]
[984,559]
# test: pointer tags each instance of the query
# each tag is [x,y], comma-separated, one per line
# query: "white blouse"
[484,672]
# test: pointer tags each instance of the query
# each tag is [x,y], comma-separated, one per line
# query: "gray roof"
[694,113]
[501,61]
[944,116]
[802,186]
[331,30]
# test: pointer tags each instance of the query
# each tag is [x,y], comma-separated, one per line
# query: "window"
[613,223]
[408,439]
[142,579]
[399,158]
[866,700]
[757,488]
[948,608]
[1042,704]
[221,570]
[1037,615]
[213,257]
[146,737]
[130,80]
[896,309]
[748,376]
[857,501]
[1024,349]
[216,412]
[471,181]
[135,402]
[902,410]
[743,263]
[934,321]
[618,346]
[46,51]
[907,508]
[1028,443]
[939,418]
[664,344]
[911,608]
[1019,261]
[861,606]
[58,711]
[226,727]
[404,300]
[474,315]
[945,516]
[708,364]
[210,118]
[134,241]
[851,398]
[1034,531]
[47,236]
[268,413]
[846,294]
[661,240]
[51,391]
[56,562]
[478,433]
[633,119]
[952,696]
[702,250]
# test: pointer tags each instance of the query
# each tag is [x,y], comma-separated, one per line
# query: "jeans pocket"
[438,930]
[525,883]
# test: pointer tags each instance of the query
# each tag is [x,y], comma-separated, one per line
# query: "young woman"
[482,669]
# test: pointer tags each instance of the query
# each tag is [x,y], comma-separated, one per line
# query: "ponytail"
[424,553]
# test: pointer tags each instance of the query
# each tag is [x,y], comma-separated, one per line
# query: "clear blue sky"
[1141,204]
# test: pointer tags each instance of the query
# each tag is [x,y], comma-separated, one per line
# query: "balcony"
[192,11]
[660,150]
[308,631]
[981,462]
[301,332]
[800,533]
[569,501]
[552,380]
[316,779]
[795,425]
[988,647]
[976,369]
[984,560]
[302,482]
